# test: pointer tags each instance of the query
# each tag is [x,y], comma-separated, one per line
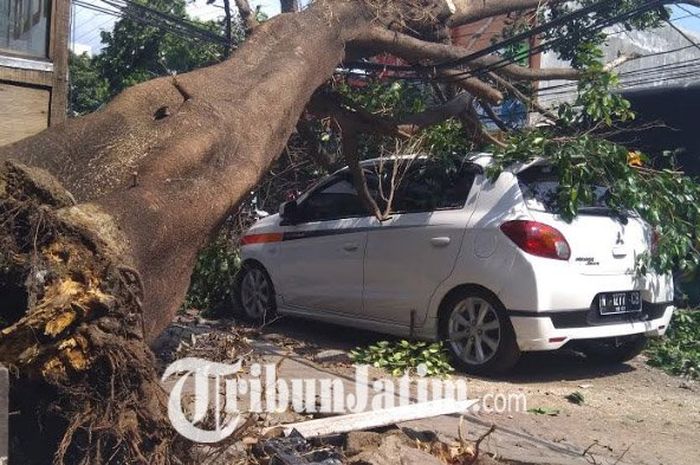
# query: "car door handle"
[440,241]
[350,246]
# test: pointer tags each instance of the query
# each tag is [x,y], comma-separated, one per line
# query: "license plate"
[610,303]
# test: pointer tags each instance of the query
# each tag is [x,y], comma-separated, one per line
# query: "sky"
[88,23]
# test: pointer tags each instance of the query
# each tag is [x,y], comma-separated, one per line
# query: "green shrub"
[404,356]
[213,278]
[679,352]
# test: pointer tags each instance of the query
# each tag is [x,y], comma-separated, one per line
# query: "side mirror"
[289,211]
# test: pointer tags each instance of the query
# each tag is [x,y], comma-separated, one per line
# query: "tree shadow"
[561,365]
[312,337]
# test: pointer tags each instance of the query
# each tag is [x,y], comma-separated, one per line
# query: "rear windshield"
[540,187]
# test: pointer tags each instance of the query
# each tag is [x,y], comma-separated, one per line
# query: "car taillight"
[537,239]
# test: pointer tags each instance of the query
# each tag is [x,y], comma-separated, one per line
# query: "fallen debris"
[294,449]
[576,398]
[552,412]
[394,447]
[376,418]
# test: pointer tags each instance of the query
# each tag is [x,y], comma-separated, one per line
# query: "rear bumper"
[551,330]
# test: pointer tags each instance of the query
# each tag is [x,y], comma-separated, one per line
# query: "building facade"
[33,66]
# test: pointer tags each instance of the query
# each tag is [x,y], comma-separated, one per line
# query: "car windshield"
[540,187]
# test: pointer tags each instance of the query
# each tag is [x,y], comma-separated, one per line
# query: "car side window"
[336,199]
[432,185]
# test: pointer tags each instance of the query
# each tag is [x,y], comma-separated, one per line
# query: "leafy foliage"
[583,157]
[398,99]
[404,356]
[214,274]
[552,412]
[88,88]
[679,352]
[569,37]
[135,52]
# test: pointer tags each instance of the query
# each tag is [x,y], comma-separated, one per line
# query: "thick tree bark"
[105,252]
[102,247]
[101,217]
[167,184]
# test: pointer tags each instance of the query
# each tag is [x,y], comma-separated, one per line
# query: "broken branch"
[247,15]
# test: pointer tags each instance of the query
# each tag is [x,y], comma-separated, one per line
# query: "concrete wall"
[636,74]
[34,90]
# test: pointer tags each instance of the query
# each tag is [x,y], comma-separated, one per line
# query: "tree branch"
[289,6]
[469,11]
[470,120]
[350,152]
[531,103]
[620,60]
[334,105]
[353,120]
[247,15]
[494,117]
[227,27]
[416,51]
[474,86]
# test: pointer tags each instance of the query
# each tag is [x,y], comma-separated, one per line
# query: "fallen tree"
[101,218]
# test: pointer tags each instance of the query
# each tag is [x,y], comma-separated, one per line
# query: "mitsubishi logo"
[619,241]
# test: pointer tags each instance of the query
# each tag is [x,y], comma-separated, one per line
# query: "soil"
[631,413]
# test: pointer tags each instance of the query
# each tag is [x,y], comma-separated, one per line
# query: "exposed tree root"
[71,330]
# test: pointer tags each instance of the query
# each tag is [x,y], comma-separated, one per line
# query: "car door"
[321,257]
[409,255]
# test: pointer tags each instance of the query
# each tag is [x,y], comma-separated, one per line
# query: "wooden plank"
[375,418]
[25,112]
[4,406]
[26,76]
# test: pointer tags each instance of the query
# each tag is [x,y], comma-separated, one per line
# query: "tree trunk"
[102,218]
[167,184]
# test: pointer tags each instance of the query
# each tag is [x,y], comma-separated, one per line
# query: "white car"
[486,267]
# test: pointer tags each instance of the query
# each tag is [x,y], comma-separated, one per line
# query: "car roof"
[482,159]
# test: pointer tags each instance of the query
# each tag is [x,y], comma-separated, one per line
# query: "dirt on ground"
[626,413]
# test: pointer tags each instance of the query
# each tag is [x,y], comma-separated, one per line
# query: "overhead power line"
[505,61]
[518,38]
[151,17]
[508,60]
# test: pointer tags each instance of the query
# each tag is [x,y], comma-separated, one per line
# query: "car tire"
[614,350]
[478,343]
[255,294]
